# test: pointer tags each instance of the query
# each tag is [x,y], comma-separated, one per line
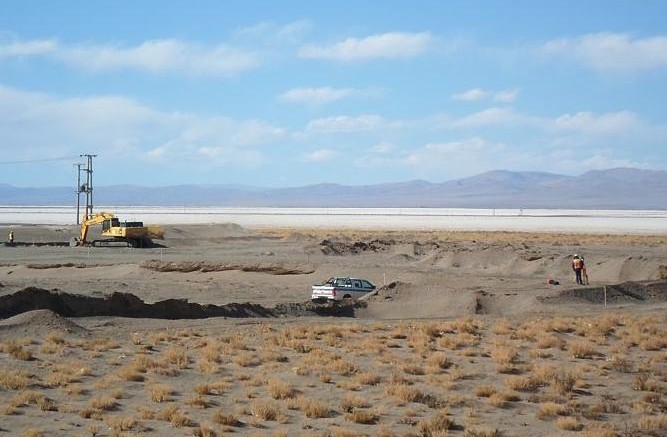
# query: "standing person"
[10,237]
[578,267]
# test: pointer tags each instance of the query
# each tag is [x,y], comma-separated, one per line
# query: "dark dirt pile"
[626,292]
[129,305]
[204,266]
[330,247]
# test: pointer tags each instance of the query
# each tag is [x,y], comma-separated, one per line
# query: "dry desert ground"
[464,337]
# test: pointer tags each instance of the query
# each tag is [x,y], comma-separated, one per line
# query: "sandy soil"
[417,359]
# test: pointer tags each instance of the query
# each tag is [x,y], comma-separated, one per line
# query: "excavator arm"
[87,222]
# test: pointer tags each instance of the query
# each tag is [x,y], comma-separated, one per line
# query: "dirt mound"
[33,322]
[59,265]
[204,266]
[129,305]
[627,292]
[387,292]
[662,272]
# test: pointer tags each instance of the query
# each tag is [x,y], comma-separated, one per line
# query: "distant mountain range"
[619,188]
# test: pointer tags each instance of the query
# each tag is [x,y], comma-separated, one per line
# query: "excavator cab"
[110,223]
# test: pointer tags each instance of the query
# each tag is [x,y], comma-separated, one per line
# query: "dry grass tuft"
[365,417]
[175,417]
[103,402]
[437,424]
[550,410]
[481,432]
[582,350]
[228,419]
[569,424]
[265,410]
[160,392]
[280,389]
[312,408]
[14,348]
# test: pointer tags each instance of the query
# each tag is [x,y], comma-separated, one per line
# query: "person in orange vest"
[578,267]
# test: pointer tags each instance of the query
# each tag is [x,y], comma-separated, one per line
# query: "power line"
[31,161]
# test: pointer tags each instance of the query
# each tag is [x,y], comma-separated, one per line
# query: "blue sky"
[293,93]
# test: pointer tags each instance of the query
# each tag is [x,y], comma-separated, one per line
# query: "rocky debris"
[205,266]
[129,305]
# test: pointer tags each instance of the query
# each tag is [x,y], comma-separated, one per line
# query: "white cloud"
[471,95]
[492,116]
[454,152]
[477,94]
[270,32]
[609,124]
[35,125]
[321,155]
[316,96]
[610,51]
[345,123]
[506,96]
[27,48]
[386,45]
[383,148]
[163,55]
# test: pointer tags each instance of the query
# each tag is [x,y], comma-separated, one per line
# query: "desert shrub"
[562,382]
[582,350]
[280,389]
[117,423]
[647,423]
[436,424]
[485,391]
[550,410]
[521,383]
[367,378]
[481,432]
[15,349]
[312,408]
[351,402]
[160,392]
[177,356]
[438,361]
[174,416]
[264,410]
[102,402]
[222,418]
[365,417]
[569,424]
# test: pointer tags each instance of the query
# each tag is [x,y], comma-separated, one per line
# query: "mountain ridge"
[616,188]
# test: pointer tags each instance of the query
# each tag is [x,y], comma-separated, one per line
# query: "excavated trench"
[626,292]
[129,305]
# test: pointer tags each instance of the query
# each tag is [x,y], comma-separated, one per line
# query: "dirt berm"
[129,305]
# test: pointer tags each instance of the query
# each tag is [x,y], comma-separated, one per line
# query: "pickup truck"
[341,288]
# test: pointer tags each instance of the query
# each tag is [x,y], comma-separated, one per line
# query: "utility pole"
[88,186]
[78,191]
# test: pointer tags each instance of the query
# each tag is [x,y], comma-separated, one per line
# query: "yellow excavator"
[133,234]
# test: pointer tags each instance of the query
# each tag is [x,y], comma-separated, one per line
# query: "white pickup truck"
[342,288]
